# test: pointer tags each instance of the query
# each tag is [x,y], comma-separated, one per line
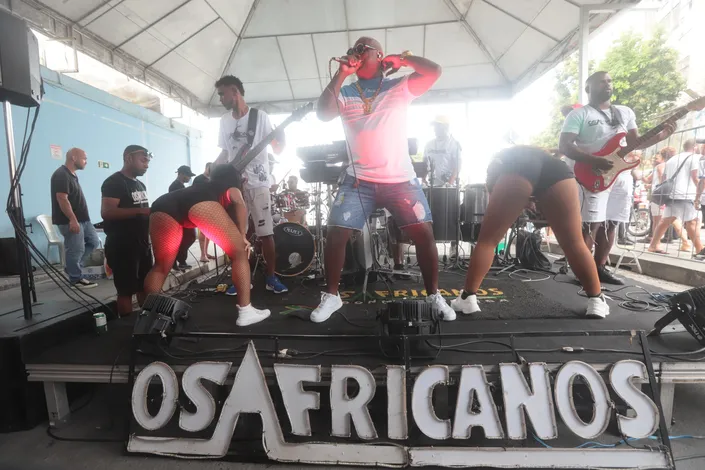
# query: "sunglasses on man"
[359,49]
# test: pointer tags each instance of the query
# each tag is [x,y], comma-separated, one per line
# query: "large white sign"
[534,399]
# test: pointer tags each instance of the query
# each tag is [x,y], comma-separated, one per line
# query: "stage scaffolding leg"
[57,403]
[668,393]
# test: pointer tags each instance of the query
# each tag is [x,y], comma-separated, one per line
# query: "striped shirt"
[378,141]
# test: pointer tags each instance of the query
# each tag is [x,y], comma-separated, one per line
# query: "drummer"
[298,201]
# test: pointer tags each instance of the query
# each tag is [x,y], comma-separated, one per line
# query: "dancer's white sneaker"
[329,305]
[248,315]
[597,307]
[467,305]
[439,302]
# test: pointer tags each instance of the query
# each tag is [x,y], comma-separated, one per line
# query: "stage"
[520,322]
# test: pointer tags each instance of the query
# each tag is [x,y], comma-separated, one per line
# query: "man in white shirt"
[374,114]
[234,134]
[585,131]
[684,168]
[442,154]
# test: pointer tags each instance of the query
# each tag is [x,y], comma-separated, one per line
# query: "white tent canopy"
[281,48]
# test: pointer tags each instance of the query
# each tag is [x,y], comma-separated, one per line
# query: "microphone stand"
[456,264]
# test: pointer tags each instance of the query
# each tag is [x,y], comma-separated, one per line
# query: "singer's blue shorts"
[406,202]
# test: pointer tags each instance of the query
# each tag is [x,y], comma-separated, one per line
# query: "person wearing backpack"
[678,191]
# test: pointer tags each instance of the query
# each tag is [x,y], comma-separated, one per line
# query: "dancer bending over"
[513,177]
[211,207]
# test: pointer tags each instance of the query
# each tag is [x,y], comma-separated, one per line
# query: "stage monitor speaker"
[161,316]
[688,308]
[20,76]
[402,318]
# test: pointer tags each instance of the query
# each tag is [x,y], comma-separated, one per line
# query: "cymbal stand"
[320,241]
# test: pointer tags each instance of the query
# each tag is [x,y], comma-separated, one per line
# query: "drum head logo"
[295,260]
[294,231]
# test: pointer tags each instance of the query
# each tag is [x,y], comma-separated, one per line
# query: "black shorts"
[130,263]
[540,168]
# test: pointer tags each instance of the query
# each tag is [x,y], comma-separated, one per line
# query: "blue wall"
[74,114]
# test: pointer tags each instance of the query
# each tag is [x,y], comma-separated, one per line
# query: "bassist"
[237,134]
[585,131]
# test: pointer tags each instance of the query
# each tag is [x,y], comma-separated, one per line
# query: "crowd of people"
[223,203]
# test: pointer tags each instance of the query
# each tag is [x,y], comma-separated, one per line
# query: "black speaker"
[20,77]
[688,307]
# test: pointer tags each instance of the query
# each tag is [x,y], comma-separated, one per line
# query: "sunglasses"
[359,49]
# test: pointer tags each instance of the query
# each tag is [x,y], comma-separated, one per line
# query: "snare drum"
[296,249]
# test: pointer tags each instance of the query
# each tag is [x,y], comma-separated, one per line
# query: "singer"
[373,110]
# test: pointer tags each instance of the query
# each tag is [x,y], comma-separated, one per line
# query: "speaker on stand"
[21,85]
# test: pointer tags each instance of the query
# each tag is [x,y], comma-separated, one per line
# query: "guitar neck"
[653,132]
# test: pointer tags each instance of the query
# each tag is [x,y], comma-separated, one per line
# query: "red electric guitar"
[596,181]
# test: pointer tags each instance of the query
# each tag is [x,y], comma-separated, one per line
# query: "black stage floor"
[509,305]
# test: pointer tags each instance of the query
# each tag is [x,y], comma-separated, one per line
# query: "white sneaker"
[249,315]
[447,313]
[467,305]
[597,307]
[329,305]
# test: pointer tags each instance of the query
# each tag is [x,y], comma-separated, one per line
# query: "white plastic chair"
[53,236]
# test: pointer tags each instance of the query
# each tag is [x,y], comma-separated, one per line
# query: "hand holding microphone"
[348,64]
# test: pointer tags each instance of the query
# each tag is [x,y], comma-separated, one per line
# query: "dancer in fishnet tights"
[210,207]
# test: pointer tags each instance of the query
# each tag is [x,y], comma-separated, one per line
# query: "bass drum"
[295,247]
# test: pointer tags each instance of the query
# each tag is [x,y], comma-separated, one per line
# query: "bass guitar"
[246,154]
[596,181]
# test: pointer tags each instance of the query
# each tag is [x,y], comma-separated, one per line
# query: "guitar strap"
[615,120]
[251,126]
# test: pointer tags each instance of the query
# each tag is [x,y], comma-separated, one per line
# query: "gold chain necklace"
[367,102]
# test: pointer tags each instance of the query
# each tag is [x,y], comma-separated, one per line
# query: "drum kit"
[299,246]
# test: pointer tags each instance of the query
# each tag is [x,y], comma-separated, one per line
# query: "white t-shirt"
[233,135]
[683,186]
[378,141]
[593,129]
[445,155]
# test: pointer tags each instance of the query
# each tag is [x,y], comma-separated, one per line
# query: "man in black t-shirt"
[183,176]
[205,177]
[70,213]
[125,211]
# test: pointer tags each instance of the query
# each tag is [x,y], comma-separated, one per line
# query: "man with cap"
[125,211]
[442,154]
[183,176]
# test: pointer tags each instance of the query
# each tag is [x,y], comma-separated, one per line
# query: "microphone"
[346,61]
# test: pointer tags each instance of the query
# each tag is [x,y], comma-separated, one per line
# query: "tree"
[565,92]
[644,75]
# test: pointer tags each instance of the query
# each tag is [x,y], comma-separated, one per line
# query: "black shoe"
[607,277]
[184,266]
[701,255]
[403,277]
[625,242]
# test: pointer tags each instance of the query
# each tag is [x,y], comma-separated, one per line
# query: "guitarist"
[585,131]
[241,128]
